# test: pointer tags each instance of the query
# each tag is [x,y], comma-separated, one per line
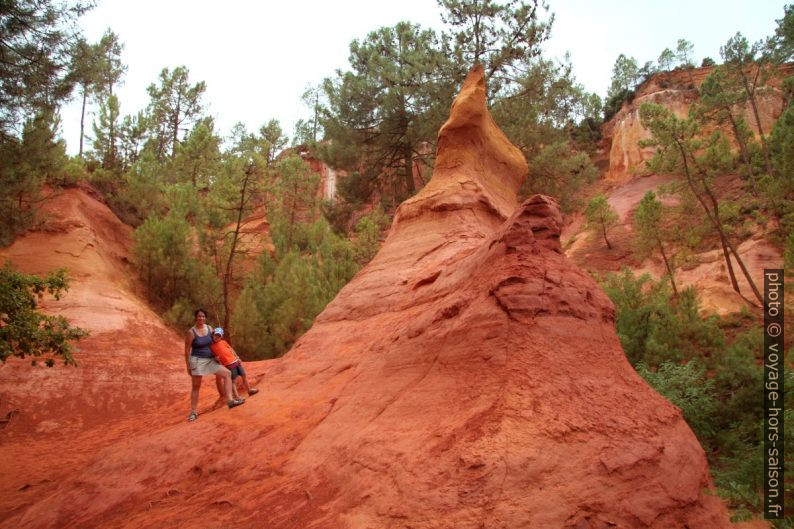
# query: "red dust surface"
[469,377]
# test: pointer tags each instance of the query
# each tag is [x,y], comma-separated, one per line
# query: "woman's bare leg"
[194,392]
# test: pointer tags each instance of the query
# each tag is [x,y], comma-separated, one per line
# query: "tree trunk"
[739,260]
[751,97]
[668,266]
[82,122]
[175,132]
[228,273]
[408,162]
[715,219]
[743,152]
[112,142]
[714,222]
[604,231]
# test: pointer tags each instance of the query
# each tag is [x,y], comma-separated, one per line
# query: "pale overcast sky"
[257,57]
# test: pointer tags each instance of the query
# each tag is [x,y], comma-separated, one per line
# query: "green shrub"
[717,383]
[26,332]
[686,386]
[560,172]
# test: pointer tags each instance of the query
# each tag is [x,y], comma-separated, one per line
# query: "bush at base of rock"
[716,382]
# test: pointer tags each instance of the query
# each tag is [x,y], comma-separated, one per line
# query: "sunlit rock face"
[470,376]
[678,91]
[126,364]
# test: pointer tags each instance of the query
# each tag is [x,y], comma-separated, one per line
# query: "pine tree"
[600,216]
[38,40]
[717,104]
[175,105]
[382,111]
[273,139]
[666,59]
[561,173]
[504,37]
[747,70]
[198,158]
[104,129]
[781,44]
[236,191]
[110,69]
[678,143]
[651,233]
[85,72]
[295,202]
[683,52]
[132,134]
[25,165]
[307,132]
[625,74]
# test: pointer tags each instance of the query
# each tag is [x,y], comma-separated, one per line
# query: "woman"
[200,361]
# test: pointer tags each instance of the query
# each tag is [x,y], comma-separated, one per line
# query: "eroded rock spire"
[469,376]
[476,165]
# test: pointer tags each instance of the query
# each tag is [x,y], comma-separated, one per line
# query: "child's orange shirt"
[223,352]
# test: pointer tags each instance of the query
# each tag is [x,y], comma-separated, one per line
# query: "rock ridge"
[470,376]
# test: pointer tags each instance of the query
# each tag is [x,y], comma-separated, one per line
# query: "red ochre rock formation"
[469,376]
[130,376]
[676,90]
[127,363]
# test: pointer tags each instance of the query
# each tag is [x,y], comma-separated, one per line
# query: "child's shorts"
[236,369]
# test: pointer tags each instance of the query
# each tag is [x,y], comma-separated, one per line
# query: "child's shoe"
[252,391]
[233,403]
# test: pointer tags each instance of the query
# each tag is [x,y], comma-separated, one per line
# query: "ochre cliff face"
[676,90]
[127,362]
[470,376]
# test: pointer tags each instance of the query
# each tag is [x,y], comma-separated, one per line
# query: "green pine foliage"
[558,172]
[653,234]
[366,241]
[170,268]
[175,105]
[105,129]
[25,332]
[716,381]
[295,206]
[688,387]
[35,72]
[26,164]
[655,329]
[281,300]
[600,217]
[684,149]
[382,116]
[309,266]
[392,101]
[779,188]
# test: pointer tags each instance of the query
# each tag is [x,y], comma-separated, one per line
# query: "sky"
[258,57]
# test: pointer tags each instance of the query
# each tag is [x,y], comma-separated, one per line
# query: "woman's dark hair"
[196,313]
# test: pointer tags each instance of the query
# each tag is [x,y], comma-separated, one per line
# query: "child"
[229,359]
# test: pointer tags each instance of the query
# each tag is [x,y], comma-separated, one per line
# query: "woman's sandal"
[192,417]
[253,391]
[233,403]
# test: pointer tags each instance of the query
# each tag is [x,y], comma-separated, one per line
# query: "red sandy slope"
[469,377]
